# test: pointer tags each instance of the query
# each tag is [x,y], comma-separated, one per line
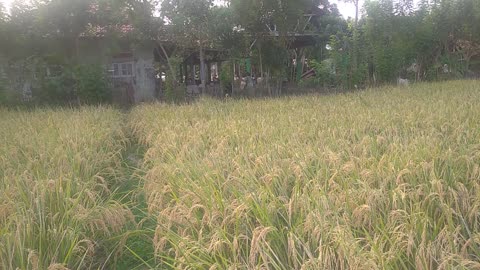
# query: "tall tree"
[191,24]
[270,27]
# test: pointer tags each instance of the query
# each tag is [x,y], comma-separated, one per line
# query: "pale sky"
[346,9]
[6,3]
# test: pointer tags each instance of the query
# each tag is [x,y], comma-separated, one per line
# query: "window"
[47,71]
[116,71]
[54,71]
[122,69]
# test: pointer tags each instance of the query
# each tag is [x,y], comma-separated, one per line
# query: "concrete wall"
[138,88]
[145,80]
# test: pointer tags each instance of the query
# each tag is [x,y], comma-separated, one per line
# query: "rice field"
[57,209]
[380,179]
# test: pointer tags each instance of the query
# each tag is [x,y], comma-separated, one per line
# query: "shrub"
[56,90]
[324,74]
[226,77]
[3,91]
[84,84]
[174,92]
[91,84]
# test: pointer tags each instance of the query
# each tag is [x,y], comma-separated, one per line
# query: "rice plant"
[57,206]
[380,179]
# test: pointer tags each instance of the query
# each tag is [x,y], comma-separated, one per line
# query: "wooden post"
[185,71]
[181,80]
[209,72]
[193,73]
[202,68]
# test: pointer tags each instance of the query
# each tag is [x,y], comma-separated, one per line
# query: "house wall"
[94,51]
[145,80]
[140,87]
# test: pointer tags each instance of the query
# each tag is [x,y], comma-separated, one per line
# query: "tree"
[190,26]
[3,25]
[269,28]
[3,33]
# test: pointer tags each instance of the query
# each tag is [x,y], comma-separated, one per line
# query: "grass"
[381,179]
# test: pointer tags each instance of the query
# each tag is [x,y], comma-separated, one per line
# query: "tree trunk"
[261,63]
[467,62]
[209,72]
[267,82]
[185,69]
[77,48]
[172,70]
[194,74]
[202,68]
[181,73]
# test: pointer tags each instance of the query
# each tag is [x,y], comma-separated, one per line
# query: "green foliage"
[325,74]
[341,55]
[83,84]
[174,91]
[226,73]
[3,87]
[397,36]
[375,49]
[259,16]
[3,94]
[55,90]
[91,84]
[275,57]
[190,21]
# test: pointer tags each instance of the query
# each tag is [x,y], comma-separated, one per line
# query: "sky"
[6,3]
[347,9]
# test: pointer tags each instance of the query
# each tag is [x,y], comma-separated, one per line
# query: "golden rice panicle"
[58,165]
[317,182]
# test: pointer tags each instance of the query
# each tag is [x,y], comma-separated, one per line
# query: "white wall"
[145,80]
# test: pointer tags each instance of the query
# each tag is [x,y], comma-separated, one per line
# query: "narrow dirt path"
[138,249]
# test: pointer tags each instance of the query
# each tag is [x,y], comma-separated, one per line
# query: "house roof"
[102,31]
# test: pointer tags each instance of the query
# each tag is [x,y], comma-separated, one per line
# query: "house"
[129,66]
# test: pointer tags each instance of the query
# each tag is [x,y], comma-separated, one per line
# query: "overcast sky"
[347,10]
[6,3]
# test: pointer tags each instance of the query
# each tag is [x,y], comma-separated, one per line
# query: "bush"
[3,98]
[226,77]
[173,91]
[3,88]
[85,84]
[91,84]
[56,90]
[324,74]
